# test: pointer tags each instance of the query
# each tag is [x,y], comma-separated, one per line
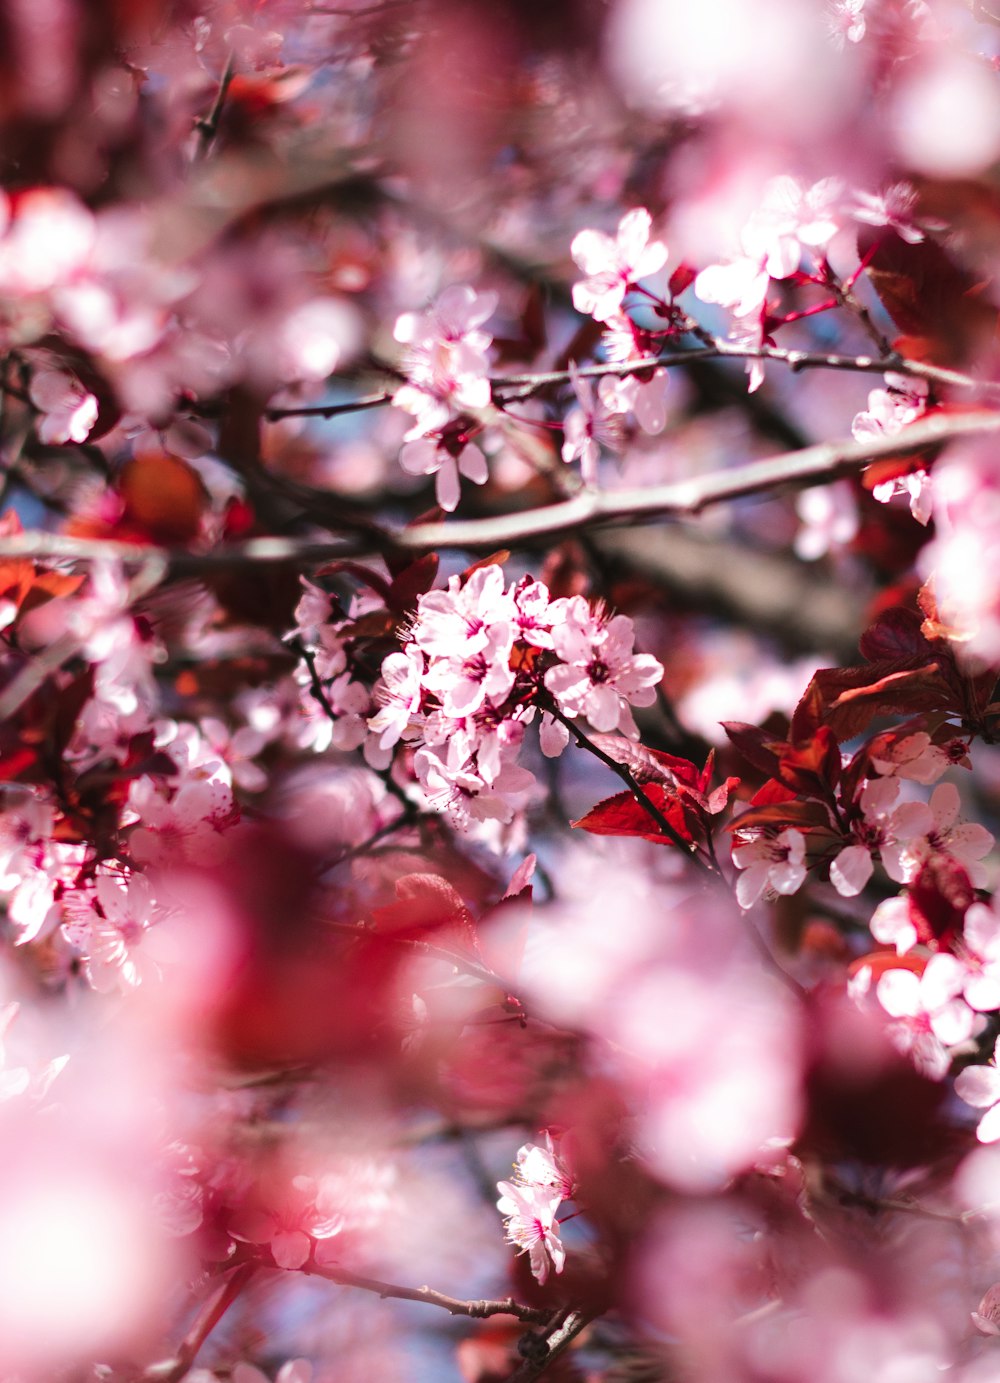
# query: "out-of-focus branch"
[173,1370]
[793,603]
[679,499]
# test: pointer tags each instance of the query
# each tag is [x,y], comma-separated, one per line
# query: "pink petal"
[978,1086]
[851,870]
[291,1248]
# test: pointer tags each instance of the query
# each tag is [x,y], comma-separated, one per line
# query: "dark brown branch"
[208,126]
[554,1342]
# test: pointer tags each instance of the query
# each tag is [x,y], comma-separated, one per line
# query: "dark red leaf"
[756,745]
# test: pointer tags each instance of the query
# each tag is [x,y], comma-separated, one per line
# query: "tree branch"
[555,1341]
[679,499]
[686,498]
[477,1310]
[172,1370]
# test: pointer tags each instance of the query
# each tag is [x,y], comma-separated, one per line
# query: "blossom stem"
[642,797]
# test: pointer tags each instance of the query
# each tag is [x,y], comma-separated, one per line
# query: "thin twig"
[477,1310]
[208,126]
[640,795]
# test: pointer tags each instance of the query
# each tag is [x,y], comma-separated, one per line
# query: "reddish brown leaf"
[895,634]
[623,815]
[756,745]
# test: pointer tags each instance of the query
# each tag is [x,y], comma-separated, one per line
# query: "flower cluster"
[480,659]
[446,368]
[529,1203]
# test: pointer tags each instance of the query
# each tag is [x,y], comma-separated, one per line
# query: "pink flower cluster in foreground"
[480,659]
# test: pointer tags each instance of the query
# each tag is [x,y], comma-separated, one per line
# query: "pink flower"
[914,757]
[430,456]
[68,410]
[769,861]
[539,1165]
[112,930]
[529,1211]
[929,1016]
[185,826]
[980,1087]
[456,622]
[290,1224]
[981,956]
[586,427]
[967,842]
[613,266]
[892,208]
[847,21]
[446,362]
[398,694]
[599,675]
[882,826]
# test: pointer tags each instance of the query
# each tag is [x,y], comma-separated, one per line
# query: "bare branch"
[477,1310]
[686,498]
[679,499]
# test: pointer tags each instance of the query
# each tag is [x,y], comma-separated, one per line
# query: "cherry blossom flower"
[829,519]
[644,394]
[980,1087]
[430,456]
[889,411]
[68,410]
[446,363]
[529,1212]
[457,621]
[111,929]
[769,861]
[846,20]
[398,695]
[539,1165]
[186,825]
[980,954]
[600,676]
[892,924]
[586,427]
[236,750]
[892,208]
[26,824]
[914,757]
[986,1317]
[884,826]
[928,1015]
[967,842]
[290,1222]
[613,266]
